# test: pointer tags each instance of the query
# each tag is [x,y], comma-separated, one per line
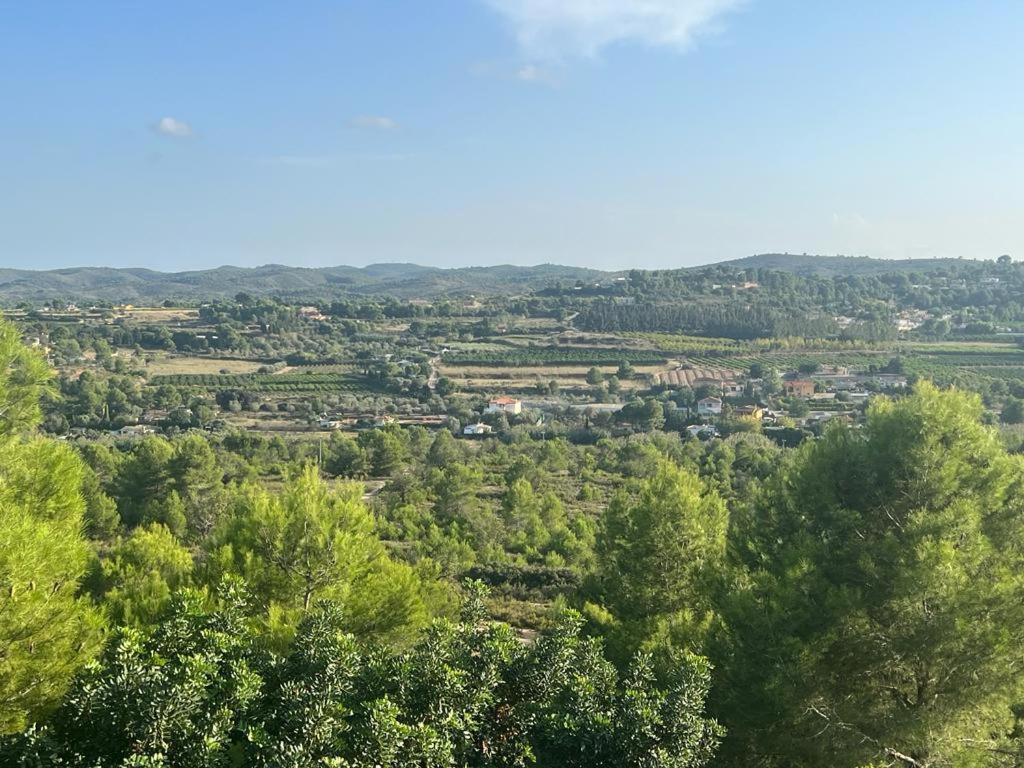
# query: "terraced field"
[690,376]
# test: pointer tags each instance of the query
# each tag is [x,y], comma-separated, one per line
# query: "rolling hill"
[830,266]
[402,281]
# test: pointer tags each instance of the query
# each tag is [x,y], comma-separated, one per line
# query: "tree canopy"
[879,612]
[47,630]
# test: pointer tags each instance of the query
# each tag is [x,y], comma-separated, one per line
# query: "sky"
[603,133]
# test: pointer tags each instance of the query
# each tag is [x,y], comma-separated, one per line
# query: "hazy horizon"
[533,265]
[483,132]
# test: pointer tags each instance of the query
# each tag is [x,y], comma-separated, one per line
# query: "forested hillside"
[825,266]
[119,286]
[407,281]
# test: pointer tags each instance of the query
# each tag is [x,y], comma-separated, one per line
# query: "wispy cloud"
[531,73]
[171,126]
[373,122]
[560,28]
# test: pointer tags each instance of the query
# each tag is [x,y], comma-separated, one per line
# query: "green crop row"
[302,382]
[532,356]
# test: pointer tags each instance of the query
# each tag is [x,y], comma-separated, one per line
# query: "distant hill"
[403,281]
[830,266]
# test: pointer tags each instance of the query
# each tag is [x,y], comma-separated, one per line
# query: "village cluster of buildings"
[822,389]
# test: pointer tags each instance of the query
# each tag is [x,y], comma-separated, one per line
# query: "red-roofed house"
[505,405]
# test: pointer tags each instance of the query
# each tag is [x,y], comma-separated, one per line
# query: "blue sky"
[608,133]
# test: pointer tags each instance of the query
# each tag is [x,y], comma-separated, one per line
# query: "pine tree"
[880,610]
[316,541]
[658,556]
[46,630]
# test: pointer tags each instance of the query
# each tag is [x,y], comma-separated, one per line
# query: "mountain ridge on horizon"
[397,279]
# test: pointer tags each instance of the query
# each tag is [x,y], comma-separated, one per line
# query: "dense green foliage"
[878,607]
[47,631]
[202,691]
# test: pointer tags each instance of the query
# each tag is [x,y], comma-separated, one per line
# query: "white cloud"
[374,122]
[170,126]
[557,28]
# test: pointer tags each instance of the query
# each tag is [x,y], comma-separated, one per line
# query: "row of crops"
[309,381]
[534,356]
[943,365]
[1014,357]
[789,361]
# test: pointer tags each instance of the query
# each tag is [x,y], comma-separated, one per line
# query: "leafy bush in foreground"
[202,691]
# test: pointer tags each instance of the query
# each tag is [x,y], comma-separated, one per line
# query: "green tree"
[771,381]
[659,553]
[344,457]
[797,408]
[316,541]
[24,376]
[101,519]
[523,521]
[1013,411]
[387,449]
[652,415]
[140,573]
[144,482]
[455,488]
[47,631]
[879,613]
[444,450]
[445,386]
[198,479]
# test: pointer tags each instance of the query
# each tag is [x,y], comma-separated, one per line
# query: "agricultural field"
[159,315]
[792,360]
[190,365]
[300,369]
[284,383]
[525,378]
[690,376]
[553,356]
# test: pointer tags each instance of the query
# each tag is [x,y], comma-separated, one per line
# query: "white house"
[702,430]
[477,429]
[732,388]
[709,406]
[504,405]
